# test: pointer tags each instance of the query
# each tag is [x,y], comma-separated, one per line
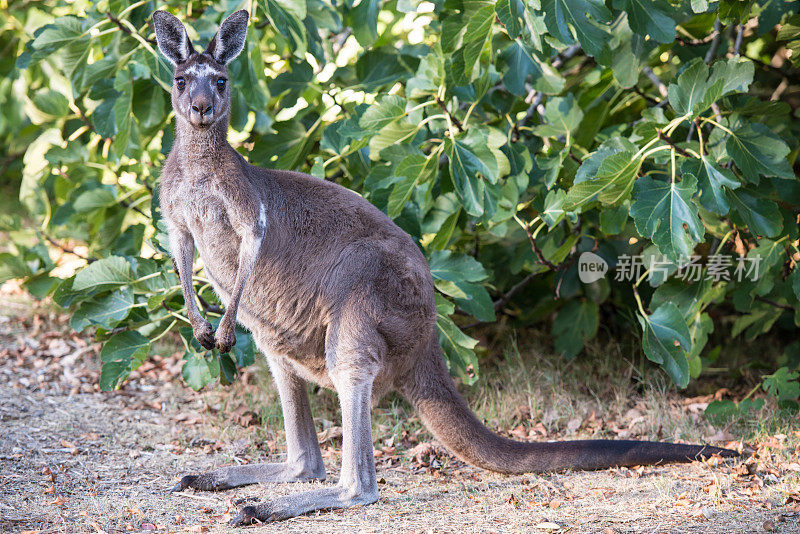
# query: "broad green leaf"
[414,170]
[521,63]
[471,161]
[105,311]
[553,211]
[756,150]
[575,324]
[63,31]
[694,92]
[365,22]
[458,347]
[454,267]
[479,28]
[512,15]
[13,266]
[611,184]
[713,180]
[104,274]
[667,340]
[760,215]
[288,24]
[562,17]
[563,116]
[196,372]
[790,32]
[664,212]
[51,102]
[649,17]
[389,108]
[736,74]
[121,354]
[472,298]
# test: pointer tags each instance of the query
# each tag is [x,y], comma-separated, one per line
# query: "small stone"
[769,525]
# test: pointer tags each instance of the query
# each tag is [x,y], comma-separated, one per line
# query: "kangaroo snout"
[201,113]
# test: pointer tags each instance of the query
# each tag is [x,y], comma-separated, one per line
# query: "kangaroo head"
[200,93]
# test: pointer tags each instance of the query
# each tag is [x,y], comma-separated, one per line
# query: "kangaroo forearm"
[182,246]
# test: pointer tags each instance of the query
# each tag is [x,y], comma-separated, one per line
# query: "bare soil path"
[73,459]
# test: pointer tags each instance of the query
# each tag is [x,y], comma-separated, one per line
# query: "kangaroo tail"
[445,413]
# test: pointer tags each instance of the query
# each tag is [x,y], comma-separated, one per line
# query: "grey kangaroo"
[333,292]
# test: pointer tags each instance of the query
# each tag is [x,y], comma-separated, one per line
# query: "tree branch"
[664,137]
[455,121]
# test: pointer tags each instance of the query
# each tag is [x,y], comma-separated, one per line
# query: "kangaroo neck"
[201,149]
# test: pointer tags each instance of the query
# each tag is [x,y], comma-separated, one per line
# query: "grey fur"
[333,292]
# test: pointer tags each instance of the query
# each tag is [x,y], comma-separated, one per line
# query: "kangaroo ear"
[229,40]
[171,37]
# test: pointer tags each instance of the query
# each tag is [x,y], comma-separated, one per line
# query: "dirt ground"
[74,459]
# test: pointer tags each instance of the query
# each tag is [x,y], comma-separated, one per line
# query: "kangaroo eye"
[221,83]
[180,83]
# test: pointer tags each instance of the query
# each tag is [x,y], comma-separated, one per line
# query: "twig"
[124,29]
[502,301]
[662,89]
[67,249]
[664,137]
[739,35]
[196,497]
[712,51]
[212,308]
[773,303]
[455,121]
[538,251]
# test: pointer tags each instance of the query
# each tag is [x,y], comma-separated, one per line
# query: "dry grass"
[73,459]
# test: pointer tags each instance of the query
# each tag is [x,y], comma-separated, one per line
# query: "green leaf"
[51,102]
[664,212]
[666,341]
[365,22]
[471,160]
[415,169]
[388,109]
[458,348]
[611,184]
[512,15]
[783,384]
[62,32]
[12,266]
[288,25]
[447,265]
[121,354]
[196,372]
[521,63]
[563,116]
[104,274]
[756,150]
[472,298]
[562,17]
[105,311]
[694,92]
[761,216]
[736,74]
[575,324]
[647,17]
[479,28]
[713,181]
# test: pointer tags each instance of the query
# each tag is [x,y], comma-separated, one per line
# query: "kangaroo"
[333,292]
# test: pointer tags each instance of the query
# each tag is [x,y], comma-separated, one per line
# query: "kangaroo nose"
[202,108]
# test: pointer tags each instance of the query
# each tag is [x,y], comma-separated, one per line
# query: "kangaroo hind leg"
[303,458]
[357,482]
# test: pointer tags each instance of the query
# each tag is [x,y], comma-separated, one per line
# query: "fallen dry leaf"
[548,525]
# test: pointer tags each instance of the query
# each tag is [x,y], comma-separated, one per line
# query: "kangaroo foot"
[242,475]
